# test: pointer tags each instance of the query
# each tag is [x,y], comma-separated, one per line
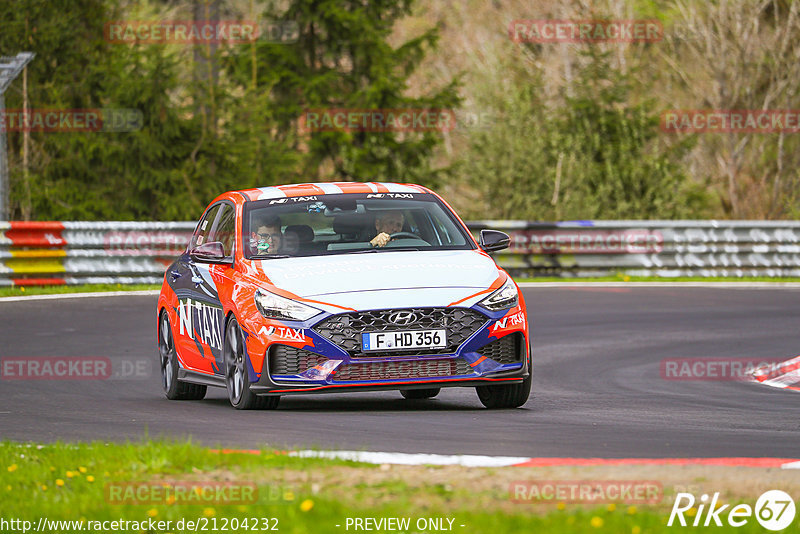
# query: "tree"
[342,59]
[594,154]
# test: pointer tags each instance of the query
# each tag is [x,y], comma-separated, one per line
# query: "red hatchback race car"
[337,287]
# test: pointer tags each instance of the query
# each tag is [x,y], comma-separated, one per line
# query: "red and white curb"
[785,375]
[467,460]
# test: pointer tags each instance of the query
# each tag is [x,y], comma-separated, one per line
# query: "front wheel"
[507,396]
[237,380]
[168,359]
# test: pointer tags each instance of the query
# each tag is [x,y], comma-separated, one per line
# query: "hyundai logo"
[403,318]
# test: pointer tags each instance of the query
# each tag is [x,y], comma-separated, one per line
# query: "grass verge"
[21,291]
[87,483]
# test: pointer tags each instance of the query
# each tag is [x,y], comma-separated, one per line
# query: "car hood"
[385,279]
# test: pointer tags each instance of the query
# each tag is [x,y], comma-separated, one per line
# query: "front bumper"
[489,355]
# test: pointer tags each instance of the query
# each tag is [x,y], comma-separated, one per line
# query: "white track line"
[466,460]
[56,296]
[400,458]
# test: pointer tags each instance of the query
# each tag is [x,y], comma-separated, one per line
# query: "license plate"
[407,339]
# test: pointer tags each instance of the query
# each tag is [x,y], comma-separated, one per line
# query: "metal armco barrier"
[650,248]
[37,253]
[57,253]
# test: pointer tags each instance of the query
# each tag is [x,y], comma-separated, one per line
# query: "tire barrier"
[57,253]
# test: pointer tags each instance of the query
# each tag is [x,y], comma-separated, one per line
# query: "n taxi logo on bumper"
[284,333]
[509,322]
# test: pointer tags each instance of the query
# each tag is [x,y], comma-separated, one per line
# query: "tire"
[168,362]
[507,396]
[420,393]
[237,380]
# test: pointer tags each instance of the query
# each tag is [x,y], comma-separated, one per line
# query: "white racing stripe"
[400,188]
[329,188]
[270,192]
[400,458]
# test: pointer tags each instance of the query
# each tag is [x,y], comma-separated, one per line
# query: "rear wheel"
[168,359]
[507,396]
[420,393]
[237,380]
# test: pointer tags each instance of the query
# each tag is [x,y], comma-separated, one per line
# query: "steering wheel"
[404,234]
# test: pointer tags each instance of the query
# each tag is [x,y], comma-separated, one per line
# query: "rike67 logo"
[774,510]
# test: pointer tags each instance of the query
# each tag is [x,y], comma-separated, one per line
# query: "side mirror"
[493,240]
[212,252]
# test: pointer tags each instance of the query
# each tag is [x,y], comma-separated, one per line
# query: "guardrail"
[650,248]
[72,253]
[37,253]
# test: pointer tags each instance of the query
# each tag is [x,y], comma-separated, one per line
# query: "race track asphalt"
[598,388]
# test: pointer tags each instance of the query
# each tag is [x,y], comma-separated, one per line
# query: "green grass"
[88,288]
[72,482]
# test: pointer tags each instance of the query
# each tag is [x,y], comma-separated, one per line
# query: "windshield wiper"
[271,257]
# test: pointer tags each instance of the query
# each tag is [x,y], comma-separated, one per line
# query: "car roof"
[329,188]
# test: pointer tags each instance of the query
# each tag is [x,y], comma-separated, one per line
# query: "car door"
[220,278]
[199,331]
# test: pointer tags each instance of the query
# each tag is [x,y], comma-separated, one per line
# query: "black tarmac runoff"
[601,385]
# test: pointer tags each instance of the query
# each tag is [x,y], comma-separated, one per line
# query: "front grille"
[287,360]
[504,350]
[345,330]
[402,369]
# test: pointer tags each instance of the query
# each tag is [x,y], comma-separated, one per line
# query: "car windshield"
[350,223]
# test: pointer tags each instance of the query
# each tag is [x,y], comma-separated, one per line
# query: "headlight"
[504,298]
[272,306]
